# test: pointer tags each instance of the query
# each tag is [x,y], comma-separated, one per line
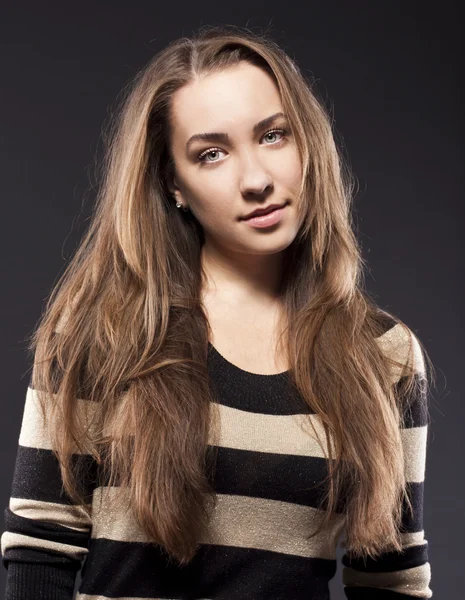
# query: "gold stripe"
[71,516]
[292,435]
[413,582]
[271,525]
[417,538]
[289,434]
[239,521]
[34,432]
[279,434]
[395,344]
[15,540]
[414,442]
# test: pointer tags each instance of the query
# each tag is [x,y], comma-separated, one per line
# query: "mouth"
[263,212]
[271,219]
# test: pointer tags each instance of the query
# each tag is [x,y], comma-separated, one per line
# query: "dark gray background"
[389,72]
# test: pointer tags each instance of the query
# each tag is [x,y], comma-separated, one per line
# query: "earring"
[184,208]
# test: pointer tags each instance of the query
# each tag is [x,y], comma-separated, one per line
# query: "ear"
[172,183]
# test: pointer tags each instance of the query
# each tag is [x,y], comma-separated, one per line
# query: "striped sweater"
[267,474]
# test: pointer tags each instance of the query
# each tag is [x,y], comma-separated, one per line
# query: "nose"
[256,180]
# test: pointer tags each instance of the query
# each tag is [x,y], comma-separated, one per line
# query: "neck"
[254,278]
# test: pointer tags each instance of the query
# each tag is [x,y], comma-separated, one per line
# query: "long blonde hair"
[125,329]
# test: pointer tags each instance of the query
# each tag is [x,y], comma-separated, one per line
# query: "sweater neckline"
[235,369]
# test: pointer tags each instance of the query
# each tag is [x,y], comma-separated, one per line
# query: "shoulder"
[401,345]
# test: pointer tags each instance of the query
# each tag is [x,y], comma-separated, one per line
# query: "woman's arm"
[397,575]
[46,536]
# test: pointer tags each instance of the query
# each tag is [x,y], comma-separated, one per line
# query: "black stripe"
[412,524]
[292,478]
[415,404]
[385,320]
[83,389]
[289,478]
[44,530]
[283,477]
[414,556]
[270,394]
[148,573]
[37,556]
[37,476]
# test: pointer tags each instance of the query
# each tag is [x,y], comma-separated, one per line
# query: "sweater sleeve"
[406,574]
[46,535]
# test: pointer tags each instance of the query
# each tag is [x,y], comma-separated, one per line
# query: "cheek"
[214,198]
[214,206]
[290,170]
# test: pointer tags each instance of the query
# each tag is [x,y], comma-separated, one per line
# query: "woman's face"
[224,179]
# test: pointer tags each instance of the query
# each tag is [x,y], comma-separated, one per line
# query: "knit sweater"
[267,481]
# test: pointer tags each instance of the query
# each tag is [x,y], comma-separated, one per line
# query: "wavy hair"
[124,327]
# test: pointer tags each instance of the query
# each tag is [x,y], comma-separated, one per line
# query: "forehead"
[239,95]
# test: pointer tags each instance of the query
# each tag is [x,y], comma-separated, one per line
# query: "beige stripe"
[413,582]
[395,344]
[271,525]
[417,538]
[289,434]
[236,521]
[414,442]
[292,435]
[15,540]
[71,516]
[280,434]
[34,433]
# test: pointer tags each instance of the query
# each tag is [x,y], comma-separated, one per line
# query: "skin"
[243,264]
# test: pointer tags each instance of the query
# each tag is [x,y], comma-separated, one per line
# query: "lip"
[263,211]
[263,221]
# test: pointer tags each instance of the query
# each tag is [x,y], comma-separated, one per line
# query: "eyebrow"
[224,137]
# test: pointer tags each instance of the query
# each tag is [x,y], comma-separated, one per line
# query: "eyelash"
[201,156]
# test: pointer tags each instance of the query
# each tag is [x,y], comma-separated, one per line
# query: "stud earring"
[184,208]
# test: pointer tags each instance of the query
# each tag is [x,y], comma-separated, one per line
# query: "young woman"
[215,399]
